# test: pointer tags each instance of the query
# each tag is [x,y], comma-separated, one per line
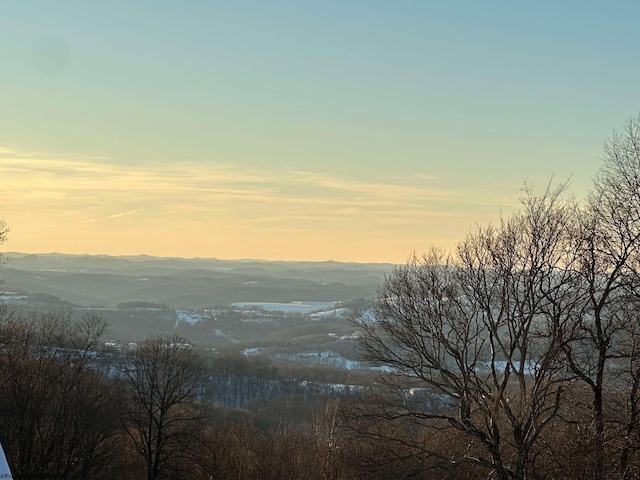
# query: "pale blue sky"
[357,109]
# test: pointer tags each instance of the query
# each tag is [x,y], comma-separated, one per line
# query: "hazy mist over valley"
[100,280]
[297,311]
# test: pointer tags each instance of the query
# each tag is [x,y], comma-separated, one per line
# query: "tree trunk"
[598,471]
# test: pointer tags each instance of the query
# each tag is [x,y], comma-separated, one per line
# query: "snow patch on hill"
[322,358]
[293,307]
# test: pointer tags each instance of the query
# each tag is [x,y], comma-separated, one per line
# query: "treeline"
[69,410]
[142,305]
[59,417]
[72,409]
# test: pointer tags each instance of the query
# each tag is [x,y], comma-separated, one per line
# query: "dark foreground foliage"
[67,412]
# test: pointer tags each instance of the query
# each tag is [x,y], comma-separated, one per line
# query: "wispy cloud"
[115,215]
[90,184]
[67,192]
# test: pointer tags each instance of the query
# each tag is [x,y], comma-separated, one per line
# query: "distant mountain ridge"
[104,280]
[25,261]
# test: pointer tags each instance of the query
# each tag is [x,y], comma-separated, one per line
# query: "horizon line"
[8,254]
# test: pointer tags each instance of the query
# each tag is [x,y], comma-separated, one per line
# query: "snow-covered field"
[219,333]
[190,317]
[293,307]
[335,312]
[12,297]
[251,351]
[322,358]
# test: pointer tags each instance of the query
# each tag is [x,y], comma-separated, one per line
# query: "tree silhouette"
[164,380]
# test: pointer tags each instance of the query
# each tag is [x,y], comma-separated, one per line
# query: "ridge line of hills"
[103,280]
[84,258]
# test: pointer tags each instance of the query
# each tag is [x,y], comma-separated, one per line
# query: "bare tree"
[4,231]
[605,341]
[164,380]
[482,332]
[57,413]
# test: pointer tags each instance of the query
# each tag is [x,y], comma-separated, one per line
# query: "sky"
[296,129]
